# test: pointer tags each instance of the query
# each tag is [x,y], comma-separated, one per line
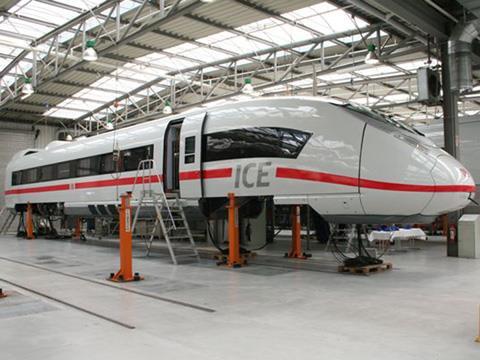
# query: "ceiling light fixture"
[90,54]
[248,87]
[371,58]
[27,88]
[167,109]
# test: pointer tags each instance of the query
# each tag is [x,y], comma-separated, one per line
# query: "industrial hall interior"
[239,179]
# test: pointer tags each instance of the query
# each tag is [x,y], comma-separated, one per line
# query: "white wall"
[469,138]
[15,137]
[469,143]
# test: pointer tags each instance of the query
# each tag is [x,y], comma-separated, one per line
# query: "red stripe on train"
[118,182]
[38,189]
[281,172]
[308,175]
[207,174]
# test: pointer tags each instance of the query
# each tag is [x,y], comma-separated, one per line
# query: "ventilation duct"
[460,55]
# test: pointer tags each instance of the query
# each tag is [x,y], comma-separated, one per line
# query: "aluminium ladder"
[165,210]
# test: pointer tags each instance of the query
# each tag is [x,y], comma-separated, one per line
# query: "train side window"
[132,157]
[29,176]
[88,166]
[63,170]
[189,150]
[254,142]
[107,164]
[46,173]
[16,178]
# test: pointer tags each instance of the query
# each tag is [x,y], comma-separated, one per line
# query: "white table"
[396,236]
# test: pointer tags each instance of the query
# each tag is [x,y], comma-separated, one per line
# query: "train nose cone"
[454,185]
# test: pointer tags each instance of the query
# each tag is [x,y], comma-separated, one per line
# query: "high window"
[89,166]
[254,142]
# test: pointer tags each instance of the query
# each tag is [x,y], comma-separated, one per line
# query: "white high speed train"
[348,163]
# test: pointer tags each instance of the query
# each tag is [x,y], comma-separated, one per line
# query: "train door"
[190,156]
[171,153]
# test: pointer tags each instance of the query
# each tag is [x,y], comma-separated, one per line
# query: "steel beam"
[417,13]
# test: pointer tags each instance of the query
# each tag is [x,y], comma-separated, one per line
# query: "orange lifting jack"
[78,228]
[125,273]
[234,258]
[477,338]
[296,250]
[29,223]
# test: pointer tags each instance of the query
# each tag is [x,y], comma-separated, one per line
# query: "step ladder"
[7,223]
[165,211]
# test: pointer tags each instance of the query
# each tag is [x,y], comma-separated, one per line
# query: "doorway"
[171,160]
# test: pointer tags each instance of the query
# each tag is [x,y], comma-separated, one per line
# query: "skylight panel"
[336,77]
[7,49]
[377,71]
[180,49]
[241,45]
[260,25]
[212,39]
[173,63]
[415,64]
[318,23]
[283,34]
[302,82]
[205,55]
[43,11]
[81,4]
[159,64]
[98,95]
[124,7]
[64,113]
[136,74]
[332,22]
[307,47]
[121,84]
[24,27]
[321,8]
[82,104]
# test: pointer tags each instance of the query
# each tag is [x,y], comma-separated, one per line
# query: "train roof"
[230,105]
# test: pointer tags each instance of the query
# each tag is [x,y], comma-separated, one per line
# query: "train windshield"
[378,117]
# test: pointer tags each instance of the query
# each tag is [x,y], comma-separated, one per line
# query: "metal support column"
[450,130]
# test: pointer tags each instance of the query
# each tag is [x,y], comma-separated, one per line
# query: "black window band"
[254,142]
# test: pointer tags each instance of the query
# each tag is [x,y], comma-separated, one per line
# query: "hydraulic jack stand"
[234,258]
[29,223]
[296,250]
[125,273]
[78,229]
[477,338]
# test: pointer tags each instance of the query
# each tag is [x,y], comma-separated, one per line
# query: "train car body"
[348,164]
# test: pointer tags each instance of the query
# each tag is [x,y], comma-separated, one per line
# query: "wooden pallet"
[366,270]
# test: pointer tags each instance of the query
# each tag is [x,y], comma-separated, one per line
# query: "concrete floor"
[426,308]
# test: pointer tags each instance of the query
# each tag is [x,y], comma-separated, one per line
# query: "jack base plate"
[120,278]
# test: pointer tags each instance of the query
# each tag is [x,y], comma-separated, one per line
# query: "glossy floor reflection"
[426,308]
